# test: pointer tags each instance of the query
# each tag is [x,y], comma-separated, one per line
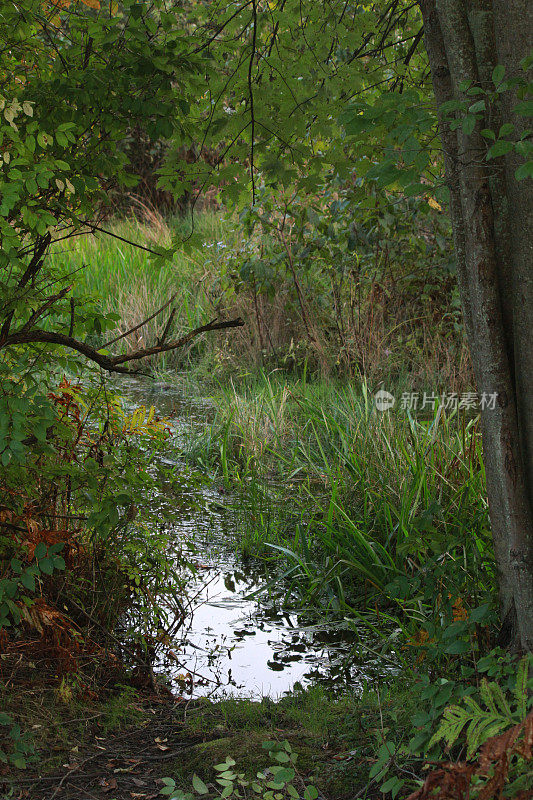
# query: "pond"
[237,640]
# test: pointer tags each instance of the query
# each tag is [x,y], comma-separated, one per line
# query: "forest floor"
[122,745]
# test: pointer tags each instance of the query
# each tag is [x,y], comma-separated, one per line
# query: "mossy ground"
[335,738]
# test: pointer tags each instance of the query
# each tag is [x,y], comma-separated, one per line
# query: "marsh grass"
[349,497]
[126,280]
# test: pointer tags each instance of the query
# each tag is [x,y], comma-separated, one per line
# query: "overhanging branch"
[114,363]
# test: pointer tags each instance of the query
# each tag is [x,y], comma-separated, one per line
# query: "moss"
[335,737]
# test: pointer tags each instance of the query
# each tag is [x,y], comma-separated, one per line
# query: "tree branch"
[251,95]
[114,363]
[45,306]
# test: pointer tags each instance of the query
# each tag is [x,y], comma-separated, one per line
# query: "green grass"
[126,280]
[350,498]
[209,275]
[351,502]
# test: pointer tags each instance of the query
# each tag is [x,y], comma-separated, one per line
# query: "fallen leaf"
[108,785]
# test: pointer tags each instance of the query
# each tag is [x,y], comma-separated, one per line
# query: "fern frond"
[520,691]
[487,697]
[453,721]
[499,699]
[483,723]
[481,729]
[475,708]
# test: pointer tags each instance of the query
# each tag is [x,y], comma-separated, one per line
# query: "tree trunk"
[492,219]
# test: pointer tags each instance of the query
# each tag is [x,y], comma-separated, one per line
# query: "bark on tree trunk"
[492,219]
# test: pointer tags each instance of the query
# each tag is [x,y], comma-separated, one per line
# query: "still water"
[236,640]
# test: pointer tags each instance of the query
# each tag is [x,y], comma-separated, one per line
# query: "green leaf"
[27,579]
[199,785]
[476,107]
[468,124]
[170,785]
[40,551]
[284,774]
[457,648]
[506,130]
[524,171]
[480,613]
[310,793]
[46,565]
[524,109]
[500,148]
[497,74]
[222,767]
[392,785]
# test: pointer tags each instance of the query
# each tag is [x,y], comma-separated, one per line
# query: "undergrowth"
[370,516]
[343,306]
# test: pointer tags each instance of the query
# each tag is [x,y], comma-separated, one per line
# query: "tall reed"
[347,489]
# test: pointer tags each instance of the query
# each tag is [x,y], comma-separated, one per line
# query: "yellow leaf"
[433,204]
[92,4]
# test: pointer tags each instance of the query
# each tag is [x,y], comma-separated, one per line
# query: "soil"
[126,765]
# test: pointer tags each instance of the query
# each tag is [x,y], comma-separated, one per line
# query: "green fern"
[483,723]
[520,691]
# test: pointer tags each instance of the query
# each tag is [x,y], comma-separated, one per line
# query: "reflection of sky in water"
[239,646]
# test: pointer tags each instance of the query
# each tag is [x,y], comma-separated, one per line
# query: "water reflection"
[234,644]
[240,646]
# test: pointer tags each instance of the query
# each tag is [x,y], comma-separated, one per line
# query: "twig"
[69,773]
[167,327]
[251,95]
[141,324]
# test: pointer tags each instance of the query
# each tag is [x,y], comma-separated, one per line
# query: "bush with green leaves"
[349,280]
[16,747]
[76,76]
[455,720]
